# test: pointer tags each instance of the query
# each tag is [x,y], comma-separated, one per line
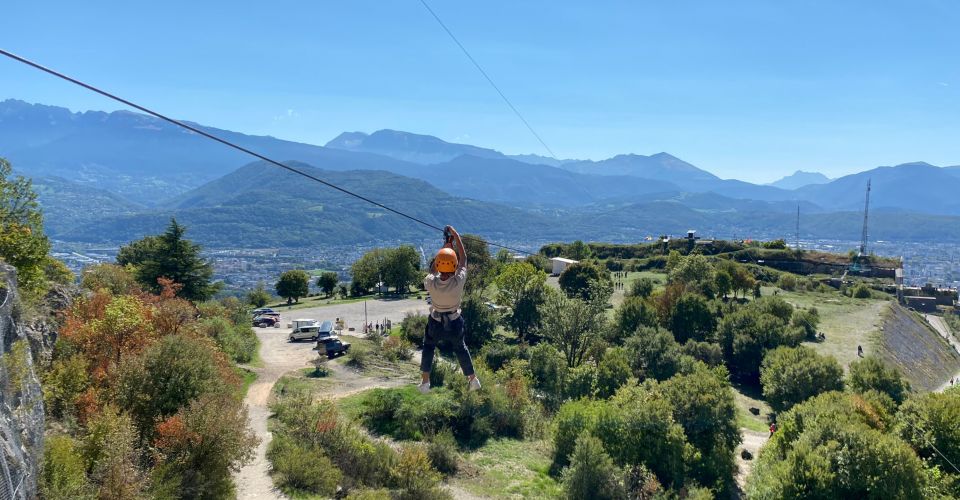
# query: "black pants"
[449,336]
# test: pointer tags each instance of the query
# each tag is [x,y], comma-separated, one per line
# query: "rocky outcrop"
[21,400]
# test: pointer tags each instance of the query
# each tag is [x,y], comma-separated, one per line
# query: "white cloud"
[943,84]
[289,114]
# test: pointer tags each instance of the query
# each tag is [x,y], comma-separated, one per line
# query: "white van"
[297,323]
[312,331]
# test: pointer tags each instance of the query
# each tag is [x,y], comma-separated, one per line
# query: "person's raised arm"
[458,247]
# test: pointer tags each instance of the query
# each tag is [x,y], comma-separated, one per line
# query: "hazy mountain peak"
[799,179]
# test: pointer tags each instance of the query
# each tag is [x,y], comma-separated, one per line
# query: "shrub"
[442,450]
[496,355]
[414,474]
[580,382]
[66,380]
[358,357]
[790,375]
[592,473]
[440,372]
[302,468]
[708,352]
[548,372]
[613,372]
[869,373]
[861,291]
[397,349]
[239,342]
[653,353]
[642,288]
[413,328]
[63,474]
[787,282]
[381,494]
[573,418]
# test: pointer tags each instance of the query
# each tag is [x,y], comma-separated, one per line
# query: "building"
[560,264]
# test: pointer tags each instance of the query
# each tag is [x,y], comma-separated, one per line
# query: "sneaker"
[474,384]
[424,387]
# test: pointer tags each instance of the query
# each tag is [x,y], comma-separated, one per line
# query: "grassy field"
[247,378]
[308,302]
[750,397]
[508,468]
[846,322]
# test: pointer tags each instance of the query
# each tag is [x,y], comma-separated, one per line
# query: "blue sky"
[748,90]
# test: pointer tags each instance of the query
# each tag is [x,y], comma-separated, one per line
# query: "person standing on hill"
[445,283]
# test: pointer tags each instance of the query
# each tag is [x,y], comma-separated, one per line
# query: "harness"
[445,318]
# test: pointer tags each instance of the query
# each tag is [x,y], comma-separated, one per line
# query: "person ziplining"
[445,282]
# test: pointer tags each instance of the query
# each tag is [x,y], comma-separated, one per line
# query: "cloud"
[943,84]
[289,114]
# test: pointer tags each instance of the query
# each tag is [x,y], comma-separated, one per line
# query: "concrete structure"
[923,304]
[560,264]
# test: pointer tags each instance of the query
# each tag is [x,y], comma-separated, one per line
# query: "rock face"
[21,400]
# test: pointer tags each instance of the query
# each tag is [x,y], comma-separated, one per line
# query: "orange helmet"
[446,260]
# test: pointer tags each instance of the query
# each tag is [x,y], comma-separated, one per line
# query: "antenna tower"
[866,212]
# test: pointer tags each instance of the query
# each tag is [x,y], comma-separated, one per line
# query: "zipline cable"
[227,143]
[489,80]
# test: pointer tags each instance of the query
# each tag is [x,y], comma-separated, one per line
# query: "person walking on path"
[445,324]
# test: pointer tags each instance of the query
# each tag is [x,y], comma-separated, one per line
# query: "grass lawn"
[746,398]
[846,322]
[508,468]
[659,280]
[247,378]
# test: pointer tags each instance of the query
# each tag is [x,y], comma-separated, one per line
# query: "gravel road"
[280,356]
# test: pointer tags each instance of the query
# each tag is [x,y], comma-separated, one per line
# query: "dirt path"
[752,442]
[280,356]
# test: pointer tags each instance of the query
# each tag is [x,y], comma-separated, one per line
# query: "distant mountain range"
[115,176]
[799,179]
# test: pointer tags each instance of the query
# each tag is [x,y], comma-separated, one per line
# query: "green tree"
[833,446]
[692,269]
[724,283]
[479,321]
[791,375]
[167,376]
[578,250]
[171,256]
[109,448]
[573,325]
[577,280]
[653,353]
[259,296]
[117,279]
[63,474]
[481,267]
[592,473]
[293,284]
[703,403]
[642,288]
[327,282]
[402,268]
[691,318]
[368,270]
[548,371]
[633,313]
[23,243]
[613,371]
[747,333]
[929,423]
[520,287]
[869,374]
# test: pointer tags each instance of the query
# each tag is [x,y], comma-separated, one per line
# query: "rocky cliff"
[21,400]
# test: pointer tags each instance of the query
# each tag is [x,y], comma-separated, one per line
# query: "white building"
[560,264]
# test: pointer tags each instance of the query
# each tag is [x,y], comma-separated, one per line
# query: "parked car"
[266,320]
[326,330]
[304,332]
[263,310]
[333,346]
[297,323]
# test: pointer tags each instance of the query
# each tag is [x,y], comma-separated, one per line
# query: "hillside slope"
[921,354]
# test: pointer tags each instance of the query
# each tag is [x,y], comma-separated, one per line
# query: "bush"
[358,357]
[442,450]
[66,380]
[381,494]
[440,372]
[414,474]
[613,372]
[413,327]
[790,375]
[573,418]
[239,342]
[787,282]
[642,288]
[861,291]
[708,352]
[548,372]
[497,355]
[302,468]
[63,474]
[580,382]
[397,349]
[869,374]
[592,473]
